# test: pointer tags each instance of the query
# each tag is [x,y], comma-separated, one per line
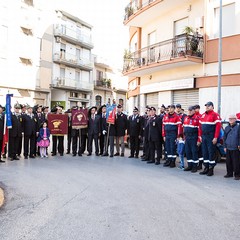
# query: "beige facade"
[165,66]
[109,84]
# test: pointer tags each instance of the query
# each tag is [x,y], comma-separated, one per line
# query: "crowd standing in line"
[162,137]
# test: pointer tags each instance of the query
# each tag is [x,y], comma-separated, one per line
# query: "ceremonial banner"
[7,121]
[58,124]
[79,118]
[111,114]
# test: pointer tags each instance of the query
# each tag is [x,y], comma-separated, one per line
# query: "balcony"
[103,84]
[183,50]
[139,12]
[72,60]
[73,36]
[72,84]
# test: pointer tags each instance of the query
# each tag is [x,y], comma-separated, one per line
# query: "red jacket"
[191,125]
[210,122]
[171,123]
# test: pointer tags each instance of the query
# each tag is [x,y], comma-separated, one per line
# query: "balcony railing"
[103,83]
[72,60]
[63,82]
[180,46]
[76,36]
[135,6]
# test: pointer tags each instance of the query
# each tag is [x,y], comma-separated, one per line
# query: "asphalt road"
[101,198]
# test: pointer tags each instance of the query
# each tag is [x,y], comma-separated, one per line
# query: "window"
[62,51]
[99,75]
[120,101]
[98,101]
[74,94]
[228,21]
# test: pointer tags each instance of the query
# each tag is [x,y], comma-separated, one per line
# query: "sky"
[110,36]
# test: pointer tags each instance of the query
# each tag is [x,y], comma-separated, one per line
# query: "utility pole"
[220,58]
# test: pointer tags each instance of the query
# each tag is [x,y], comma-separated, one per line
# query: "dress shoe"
[25,157]
[149,162]
[1,161]
[74,155]
[97,154]
[31,156]
[89,154]
[142,156]
[61,154]
[116,154]
[144,159]
[199,167]
[136,156]
[210,172]
[228,176]
[16,158]
[79,154]
[101,153]
[237,178]
[122,154]
[105,155]
[167,163]
[68,152]
[188,169]
[54,154]
[131,156]
[11,159]
[111,156]
[172,164]
[205,171]
[157,163]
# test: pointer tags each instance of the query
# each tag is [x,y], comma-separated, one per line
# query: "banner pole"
[106,140]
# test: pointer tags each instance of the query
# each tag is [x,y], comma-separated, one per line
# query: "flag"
[79,118]
[111,113]
[58,124]
[7,121]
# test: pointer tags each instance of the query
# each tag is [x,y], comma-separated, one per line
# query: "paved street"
[99,198]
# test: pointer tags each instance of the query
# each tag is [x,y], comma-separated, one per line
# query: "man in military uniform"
[134,132]
[30,130]
[154,136]
[15,133]
[121,126]
[93,131]
[1,131]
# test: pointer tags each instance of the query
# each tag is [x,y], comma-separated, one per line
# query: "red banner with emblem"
[58,124]
[79,118]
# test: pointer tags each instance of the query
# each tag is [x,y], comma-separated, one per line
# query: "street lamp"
[220,58]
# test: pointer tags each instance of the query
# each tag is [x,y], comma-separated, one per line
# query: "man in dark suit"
[121,126]
[93,130]
[103,133]
[30,130]
[1,131]
[15,133]
[155,133]
[134,132]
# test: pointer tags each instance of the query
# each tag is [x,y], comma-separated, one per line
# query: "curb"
[1,197]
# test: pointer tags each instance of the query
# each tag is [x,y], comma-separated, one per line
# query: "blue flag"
[8,111]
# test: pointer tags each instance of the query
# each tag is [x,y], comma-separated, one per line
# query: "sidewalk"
[1,197]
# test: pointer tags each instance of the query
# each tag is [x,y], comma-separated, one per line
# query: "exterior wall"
[229,105]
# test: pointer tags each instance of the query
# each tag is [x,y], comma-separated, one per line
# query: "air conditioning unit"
[58,39]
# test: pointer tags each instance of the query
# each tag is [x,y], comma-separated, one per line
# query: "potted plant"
[192,40]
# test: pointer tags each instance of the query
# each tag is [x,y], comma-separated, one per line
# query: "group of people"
[162,136]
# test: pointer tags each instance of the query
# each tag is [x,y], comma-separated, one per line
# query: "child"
[181,151]
[43,139]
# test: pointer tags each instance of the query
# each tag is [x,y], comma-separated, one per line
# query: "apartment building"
[106,87]
[22,24]
[173,53]
[72,62]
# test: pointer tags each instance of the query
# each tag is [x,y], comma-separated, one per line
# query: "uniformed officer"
[1,131]
[172,130]
[154,136]
[121,127]
[30,130]
[57,141]
[190,133]
[134,132]
[144,117]
[69,135]
[146,121]
[209,129]
[93,130]
[15,133]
